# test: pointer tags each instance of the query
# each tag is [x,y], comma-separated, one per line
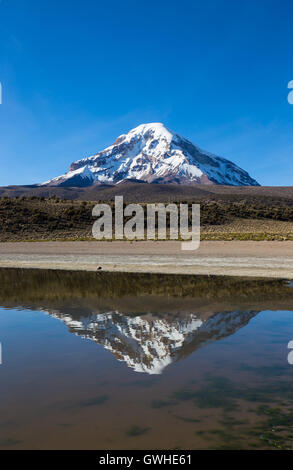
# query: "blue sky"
[76,74]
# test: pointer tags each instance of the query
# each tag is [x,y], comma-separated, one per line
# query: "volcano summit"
[154,154]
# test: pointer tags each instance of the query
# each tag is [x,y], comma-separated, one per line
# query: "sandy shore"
[235,258]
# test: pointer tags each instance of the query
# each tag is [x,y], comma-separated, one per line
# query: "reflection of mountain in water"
[147,343]
[112,308]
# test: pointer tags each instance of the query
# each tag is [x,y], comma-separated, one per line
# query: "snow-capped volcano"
[154,154]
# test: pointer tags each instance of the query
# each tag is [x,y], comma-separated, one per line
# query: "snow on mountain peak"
[156,130]
[154,154]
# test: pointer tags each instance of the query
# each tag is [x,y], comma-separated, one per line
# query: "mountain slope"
[154,154]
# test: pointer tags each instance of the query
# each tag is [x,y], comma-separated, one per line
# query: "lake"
[137,361]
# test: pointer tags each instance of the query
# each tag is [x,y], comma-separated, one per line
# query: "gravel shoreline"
[233,258]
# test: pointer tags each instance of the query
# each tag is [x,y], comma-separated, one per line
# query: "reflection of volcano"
[112,309]
[148,343]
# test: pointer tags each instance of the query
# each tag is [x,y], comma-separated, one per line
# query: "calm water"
[109,361]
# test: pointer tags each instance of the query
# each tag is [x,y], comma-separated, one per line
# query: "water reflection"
[149,344]
[59,391]
[147,321]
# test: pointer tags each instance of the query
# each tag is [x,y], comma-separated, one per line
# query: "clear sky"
[76,74]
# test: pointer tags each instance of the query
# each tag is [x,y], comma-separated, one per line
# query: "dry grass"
[249,229]
[35,219]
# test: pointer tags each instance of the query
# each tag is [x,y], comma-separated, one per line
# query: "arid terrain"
[144,192]
[227,213]
[271,259]
[244,231]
